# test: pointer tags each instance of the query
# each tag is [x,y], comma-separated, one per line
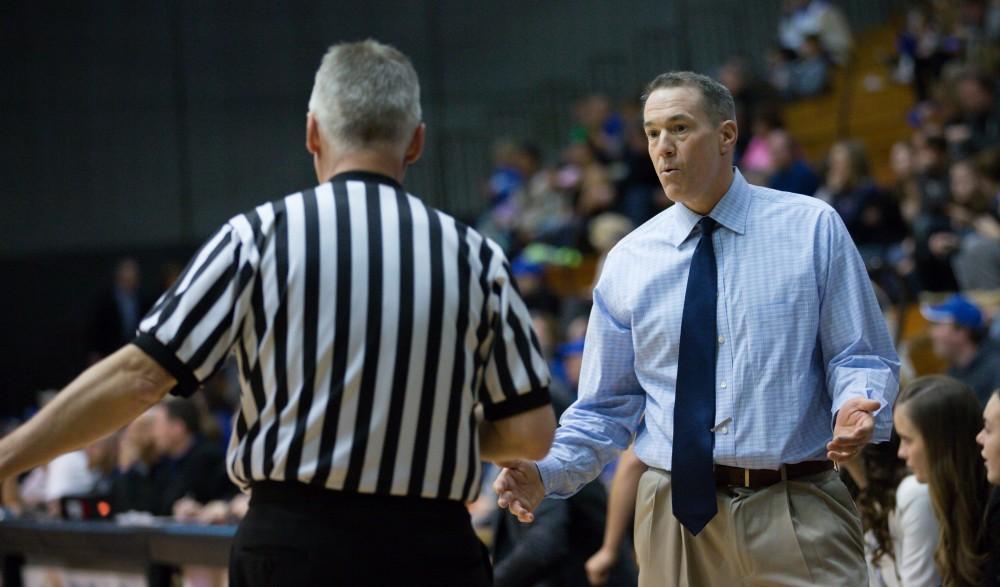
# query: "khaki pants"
[802,532]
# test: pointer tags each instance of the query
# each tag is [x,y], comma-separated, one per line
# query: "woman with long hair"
[937,419]
[901,531]
[989,438]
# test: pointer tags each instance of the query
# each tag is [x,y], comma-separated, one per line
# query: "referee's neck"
[372,162]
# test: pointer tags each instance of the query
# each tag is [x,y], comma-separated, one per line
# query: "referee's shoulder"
[255,224]
[474,238]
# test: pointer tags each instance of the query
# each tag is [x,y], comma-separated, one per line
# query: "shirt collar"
[366,176]
[730,212]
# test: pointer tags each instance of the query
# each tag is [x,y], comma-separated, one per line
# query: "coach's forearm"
[99,401]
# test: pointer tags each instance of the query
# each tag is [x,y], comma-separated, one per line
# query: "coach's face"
[691,154]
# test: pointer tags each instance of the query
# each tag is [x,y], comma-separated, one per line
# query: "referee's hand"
[519,489]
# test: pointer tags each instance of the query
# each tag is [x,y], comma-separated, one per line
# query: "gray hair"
[716,98]
[366,94]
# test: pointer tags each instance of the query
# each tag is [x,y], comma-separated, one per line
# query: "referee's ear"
[416,147]
[314,144]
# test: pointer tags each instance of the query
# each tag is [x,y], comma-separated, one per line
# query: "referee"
[368,327]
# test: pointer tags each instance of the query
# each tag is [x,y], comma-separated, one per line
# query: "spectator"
[791,172]
[117,312]
[871,217]
[989,439]
[958,333]
[905,187]
[923,50]
[977,124]
[811,71]
[801,18]
[501,190]
[542,207]
[749,96]
[901,532]
[756,162]
[530,278]
[600,127]
[937,419]
[934,239]
[779,69]
[133,487]
[974,214]
[190,466]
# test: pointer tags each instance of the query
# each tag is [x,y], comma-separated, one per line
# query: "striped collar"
[361,175]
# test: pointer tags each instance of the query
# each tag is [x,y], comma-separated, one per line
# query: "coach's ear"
[416,147]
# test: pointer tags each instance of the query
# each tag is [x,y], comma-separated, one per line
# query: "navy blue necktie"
[692,480]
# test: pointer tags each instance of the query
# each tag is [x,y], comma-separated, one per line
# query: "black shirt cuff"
[187,383]
[513,406]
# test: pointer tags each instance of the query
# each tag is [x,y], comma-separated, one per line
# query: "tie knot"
[707,224]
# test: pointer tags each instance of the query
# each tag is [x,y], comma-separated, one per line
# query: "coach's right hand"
[519,489]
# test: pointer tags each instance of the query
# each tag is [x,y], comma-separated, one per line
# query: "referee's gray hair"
[366,94]
[717,99]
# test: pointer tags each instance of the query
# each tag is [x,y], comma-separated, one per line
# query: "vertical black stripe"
[484,327]
[341,334]
[309,326]
[479,357]
[241,421]
[458,371]
[473,459]
[280,326]
[253,373]
[523,349]
[429,386]
[403,343]
[369,372]
[500,353]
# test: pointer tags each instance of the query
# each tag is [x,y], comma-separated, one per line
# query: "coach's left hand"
[853,429]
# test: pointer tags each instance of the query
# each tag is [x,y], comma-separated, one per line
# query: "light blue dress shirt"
[799,333]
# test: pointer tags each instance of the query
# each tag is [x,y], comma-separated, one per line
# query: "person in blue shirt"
[736,337]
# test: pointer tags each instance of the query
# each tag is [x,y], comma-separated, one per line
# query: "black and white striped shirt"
[366,326]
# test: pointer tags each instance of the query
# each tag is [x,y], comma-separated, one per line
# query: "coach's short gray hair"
[366,95]
[716,98]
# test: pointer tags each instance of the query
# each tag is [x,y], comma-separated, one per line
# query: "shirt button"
[722,340]
[723,385]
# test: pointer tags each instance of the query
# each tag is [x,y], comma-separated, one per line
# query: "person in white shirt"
[901,532]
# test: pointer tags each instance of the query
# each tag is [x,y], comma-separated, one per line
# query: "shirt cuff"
[550,472]
[518,404]
[187,383]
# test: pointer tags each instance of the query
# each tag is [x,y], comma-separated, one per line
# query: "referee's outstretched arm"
[102,399]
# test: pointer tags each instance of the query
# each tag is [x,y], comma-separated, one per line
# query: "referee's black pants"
[295,534]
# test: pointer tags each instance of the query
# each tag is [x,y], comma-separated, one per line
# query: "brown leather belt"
[761,478]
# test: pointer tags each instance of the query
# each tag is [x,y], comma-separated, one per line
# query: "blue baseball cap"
[957,309]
